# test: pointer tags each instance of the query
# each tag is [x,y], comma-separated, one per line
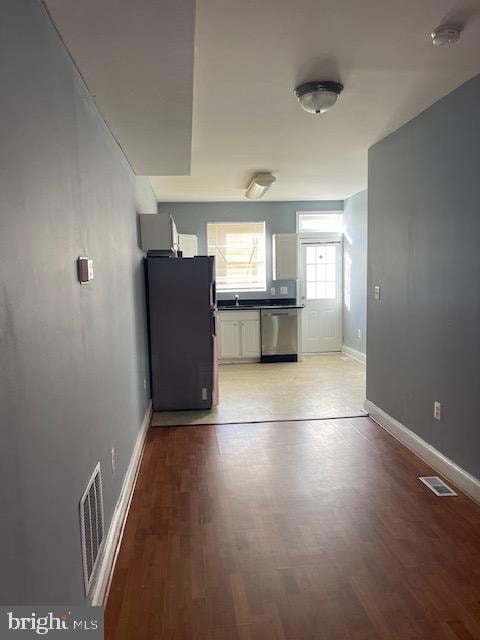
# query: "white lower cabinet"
[239,335]
[229,339]
[250,337]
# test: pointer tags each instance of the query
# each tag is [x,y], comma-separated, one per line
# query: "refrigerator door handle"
[213,294]
[214,323]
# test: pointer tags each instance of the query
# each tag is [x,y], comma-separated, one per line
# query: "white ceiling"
[249,56]
[136,57]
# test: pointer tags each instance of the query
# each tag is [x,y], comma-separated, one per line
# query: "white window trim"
[252,290]
[313,233]
[319,237]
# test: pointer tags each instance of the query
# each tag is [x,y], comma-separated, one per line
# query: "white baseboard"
[354,354]
[117,525]
[446,467]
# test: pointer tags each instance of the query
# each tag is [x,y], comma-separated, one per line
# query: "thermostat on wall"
[85,270]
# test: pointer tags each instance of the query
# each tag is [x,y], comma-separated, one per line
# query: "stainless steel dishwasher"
[279,335]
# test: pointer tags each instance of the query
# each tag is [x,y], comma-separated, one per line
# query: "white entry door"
[321,293]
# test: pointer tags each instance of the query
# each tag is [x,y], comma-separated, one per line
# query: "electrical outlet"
[272,291]
[437,410]
[113,459]
[377,292]
[204,393]
[145,384]
[359,334]
[283,291]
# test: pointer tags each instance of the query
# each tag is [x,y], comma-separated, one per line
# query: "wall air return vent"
[91,526]
[438,486]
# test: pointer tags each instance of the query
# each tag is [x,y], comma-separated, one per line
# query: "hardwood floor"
[293,531]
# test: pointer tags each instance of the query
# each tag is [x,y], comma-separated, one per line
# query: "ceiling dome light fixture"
[445,34]
[259,185]
[318,96]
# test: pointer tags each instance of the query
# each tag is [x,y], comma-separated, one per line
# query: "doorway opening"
[329,385]
[305,275]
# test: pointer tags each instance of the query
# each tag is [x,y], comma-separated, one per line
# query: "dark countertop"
[262,303]
[244,307]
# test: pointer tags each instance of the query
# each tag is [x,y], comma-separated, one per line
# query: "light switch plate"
[272,291]
[283,291]
[84,269]
[377,292]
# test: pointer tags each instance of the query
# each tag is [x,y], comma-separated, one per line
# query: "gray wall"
[423,239]
[279,217]
[73,358]
[355,272]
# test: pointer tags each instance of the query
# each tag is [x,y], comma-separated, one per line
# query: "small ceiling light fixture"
[318,96]
[445,34]
[259,185]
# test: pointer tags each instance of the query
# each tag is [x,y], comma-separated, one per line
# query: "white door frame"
[306,238]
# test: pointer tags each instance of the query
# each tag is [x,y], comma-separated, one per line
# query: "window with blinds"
[239,250]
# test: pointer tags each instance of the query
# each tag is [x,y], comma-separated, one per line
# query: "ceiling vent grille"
[91,525]
[438,486]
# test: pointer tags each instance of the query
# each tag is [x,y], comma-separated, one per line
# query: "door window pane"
[330,290]
[311,255]
[311,293]
[330,272]
[311,273]
[321,272]
[330,254]
[321,290]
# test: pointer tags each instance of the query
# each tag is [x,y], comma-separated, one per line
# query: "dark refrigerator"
[182,328]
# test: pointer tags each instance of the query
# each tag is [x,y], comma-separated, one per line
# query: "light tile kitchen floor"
[323,386]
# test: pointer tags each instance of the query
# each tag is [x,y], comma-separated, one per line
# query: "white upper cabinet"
[285,256]
[188,245]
